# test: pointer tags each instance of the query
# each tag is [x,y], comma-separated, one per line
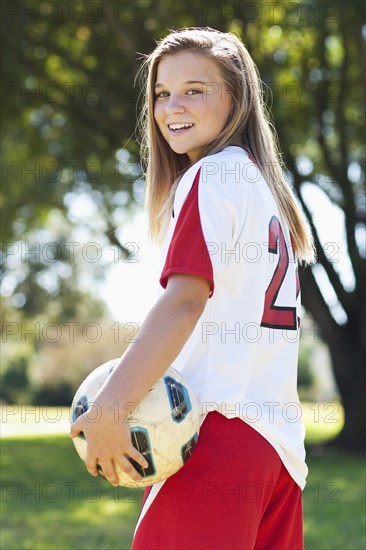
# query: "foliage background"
[71,171]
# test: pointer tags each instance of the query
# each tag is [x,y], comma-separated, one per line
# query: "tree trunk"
[346,347]
[349,373]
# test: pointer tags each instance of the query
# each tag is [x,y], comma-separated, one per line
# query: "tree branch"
[314,302]
[322,258]
[339,171]
[349,206]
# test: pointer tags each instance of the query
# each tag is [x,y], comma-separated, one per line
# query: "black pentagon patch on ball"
[80,408]
[188,448]
[141,442]
[178,398]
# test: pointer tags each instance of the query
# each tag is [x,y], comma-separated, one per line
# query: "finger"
[126,466]
[76,427]
[91,463]
[109,471]
[138,457]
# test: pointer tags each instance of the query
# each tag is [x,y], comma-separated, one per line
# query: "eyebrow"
[186,82]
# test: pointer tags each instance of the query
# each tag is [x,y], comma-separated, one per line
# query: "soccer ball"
[164,425]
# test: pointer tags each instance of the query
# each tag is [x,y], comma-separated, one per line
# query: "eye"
[192,91]
[161,95]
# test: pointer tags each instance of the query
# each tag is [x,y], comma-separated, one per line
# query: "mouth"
[180,128]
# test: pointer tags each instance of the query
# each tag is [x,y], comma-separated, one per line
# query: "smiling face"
[192,103]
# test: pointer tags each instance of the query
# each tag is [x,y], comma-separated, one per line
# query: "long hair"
[249,123]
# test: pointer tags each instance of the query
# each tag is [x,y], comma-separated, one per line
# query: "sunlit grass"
[323,421]
[20,420]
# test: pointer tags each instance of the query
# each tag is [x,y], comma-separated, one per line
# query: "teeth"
[179,126]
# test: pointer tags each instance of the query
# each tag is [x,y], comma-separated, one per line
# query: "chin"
[179,151]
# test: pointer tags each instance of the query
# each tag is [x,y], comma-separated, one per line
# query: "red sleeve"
[187,251]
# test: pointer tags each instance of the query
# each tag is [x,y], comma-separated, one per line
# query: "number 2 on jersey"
[277,316]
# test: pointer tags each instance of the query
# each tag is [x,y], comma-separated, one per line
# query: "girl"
[227,316]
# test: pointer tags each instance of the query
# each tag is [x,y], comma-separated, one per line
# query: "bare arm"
[162,336]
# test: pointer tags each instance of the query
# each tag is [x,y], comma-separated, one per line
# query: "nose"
[175,104]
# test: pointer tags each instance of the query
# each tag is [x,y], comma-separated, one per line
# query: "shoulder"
[231,153]
[227,168]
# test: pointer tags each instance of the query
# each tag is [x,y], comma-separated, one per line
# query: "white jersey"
[241,358]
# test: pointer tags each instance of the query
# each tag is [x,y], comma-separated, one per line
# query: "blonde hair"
[248,124]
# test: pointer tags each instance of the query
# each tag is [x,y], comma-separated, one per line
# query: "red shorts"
[233,493]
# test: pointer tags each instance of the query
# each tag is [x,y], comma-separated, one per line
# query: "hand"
[108,443]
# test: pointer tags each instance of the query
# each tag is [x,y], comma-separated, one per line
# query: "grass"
[334,502]
[49,501]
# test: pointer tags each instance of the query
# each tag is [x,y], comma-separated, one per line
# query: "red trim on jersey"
[188,251]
